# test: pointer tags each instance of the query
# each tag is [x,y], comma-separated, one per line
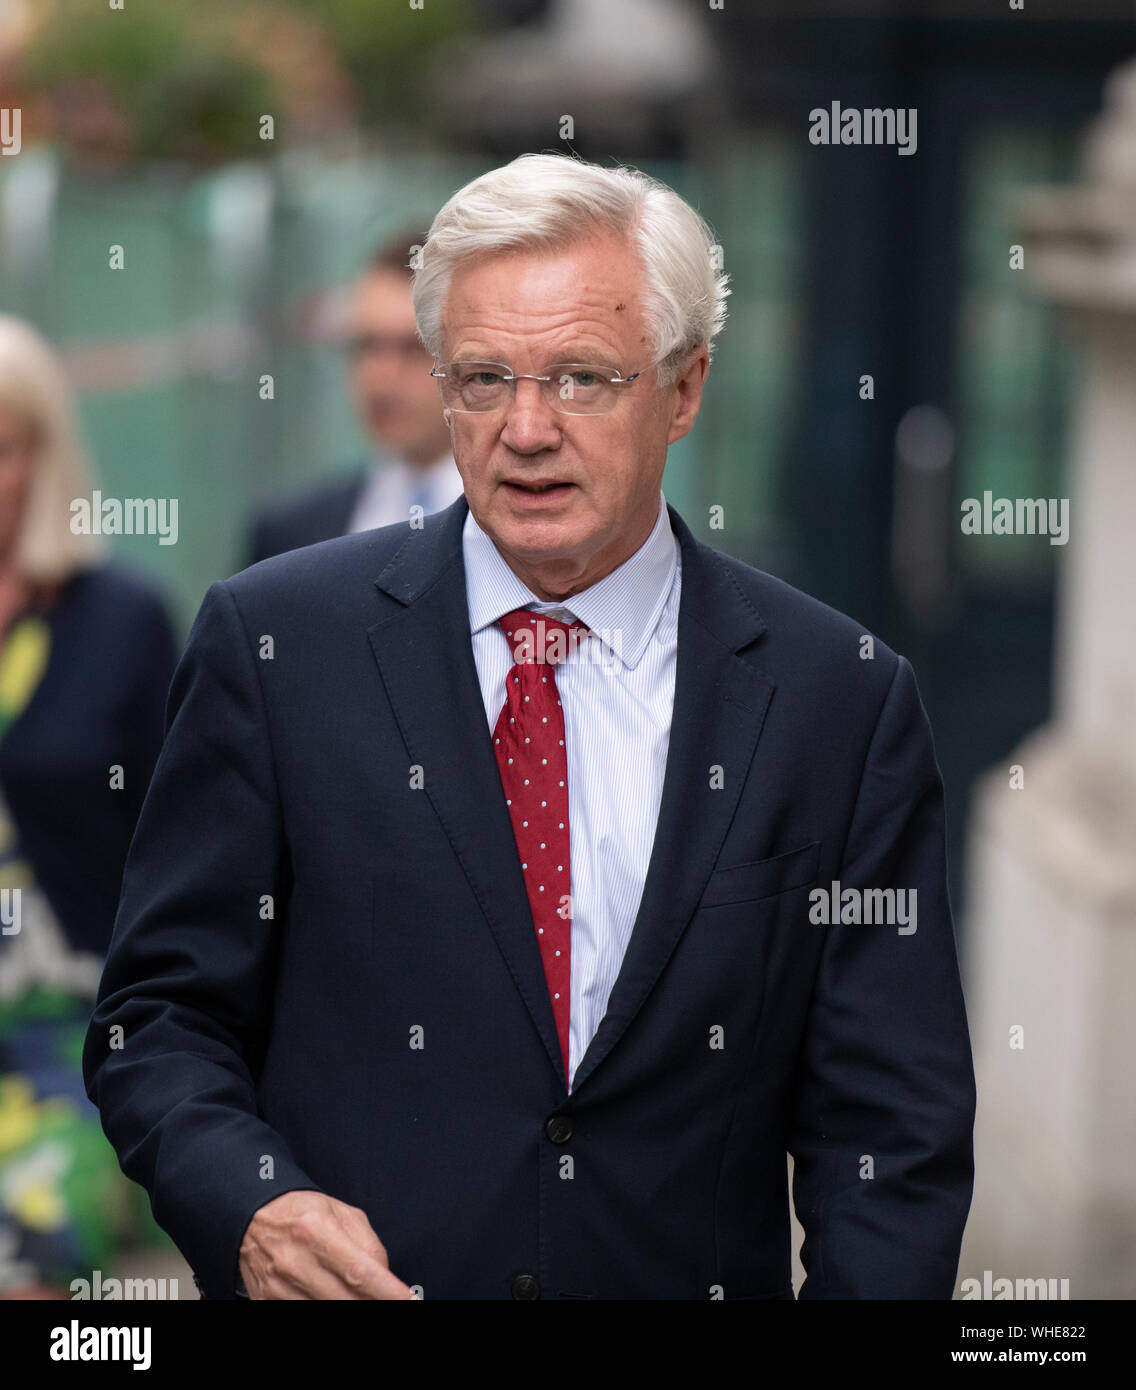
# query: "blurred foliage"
[170,80]
[386,48]
[165,70]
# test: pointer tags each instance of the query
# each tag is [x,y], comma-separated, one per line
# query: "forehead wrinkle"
[546,309]
[561,341]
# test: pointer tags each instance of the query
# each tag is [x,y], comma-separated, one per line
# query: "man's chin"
[533,540]
[390,442]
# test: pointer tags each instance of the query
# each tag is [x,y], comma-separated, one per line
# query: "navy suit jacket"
[387,1036]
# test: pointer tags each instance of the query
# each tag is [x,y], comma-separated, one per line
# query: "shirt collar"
[380,463]
[628,602]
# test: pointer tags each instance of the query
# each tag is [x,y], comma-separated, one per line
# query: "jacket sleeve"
[184,1007]
[882,1130]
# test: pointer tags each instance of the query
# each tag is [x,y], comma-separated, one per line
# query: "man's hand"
[307,1245]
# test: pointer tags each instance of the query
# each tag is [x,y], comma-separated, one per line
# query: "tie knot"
[535,637]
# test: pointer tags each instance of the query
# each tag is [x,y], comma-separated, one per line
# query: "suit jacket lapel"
[426,661]
[719,708]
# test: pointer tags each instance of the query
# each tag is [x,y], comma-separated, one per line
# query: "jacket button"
[525,1286]
[558,1128]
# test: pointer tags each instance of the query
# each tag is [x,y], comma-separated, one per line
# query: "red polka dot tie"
[529,743]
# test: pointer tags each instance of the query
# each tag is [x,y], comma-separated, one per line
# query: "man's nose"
[389,365]
[531,423]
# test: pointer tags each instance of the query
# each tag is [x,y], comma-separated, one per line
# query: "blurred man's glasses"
[406,349]
[573,388]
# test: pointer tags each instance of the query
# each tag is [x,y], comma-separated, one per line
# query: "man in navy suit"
[515,890]
[411,464]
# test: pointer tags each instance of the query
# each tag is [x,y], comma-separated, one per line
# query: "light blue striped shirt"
[617,692]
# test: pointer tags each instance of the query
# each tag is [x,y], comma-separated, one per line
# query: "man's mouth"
[537,488]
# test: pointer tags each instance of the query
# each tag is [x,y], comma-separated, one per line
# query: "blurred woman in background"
[86,655]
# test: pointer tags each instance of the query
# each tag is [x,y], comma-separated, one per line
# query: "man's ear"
[689,385]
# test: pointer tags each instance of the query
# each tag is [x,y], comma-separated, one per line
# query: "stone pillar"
[1051,917]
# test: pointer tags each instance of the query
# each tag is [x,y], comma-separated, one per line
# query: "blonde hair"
[34,386]
[550,200]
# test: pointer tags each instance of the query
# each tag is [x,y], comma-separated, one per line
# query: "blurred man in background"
[397,404]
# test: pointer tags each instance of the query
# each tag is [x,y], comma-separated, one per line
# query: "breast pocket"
[764,878]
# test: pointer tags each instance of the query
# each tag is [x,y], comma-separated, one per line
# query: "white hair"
[34,387]
[550,201]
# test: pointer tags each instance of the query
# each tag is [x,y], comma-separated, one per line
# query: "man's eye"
[585,378]
[487,378]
